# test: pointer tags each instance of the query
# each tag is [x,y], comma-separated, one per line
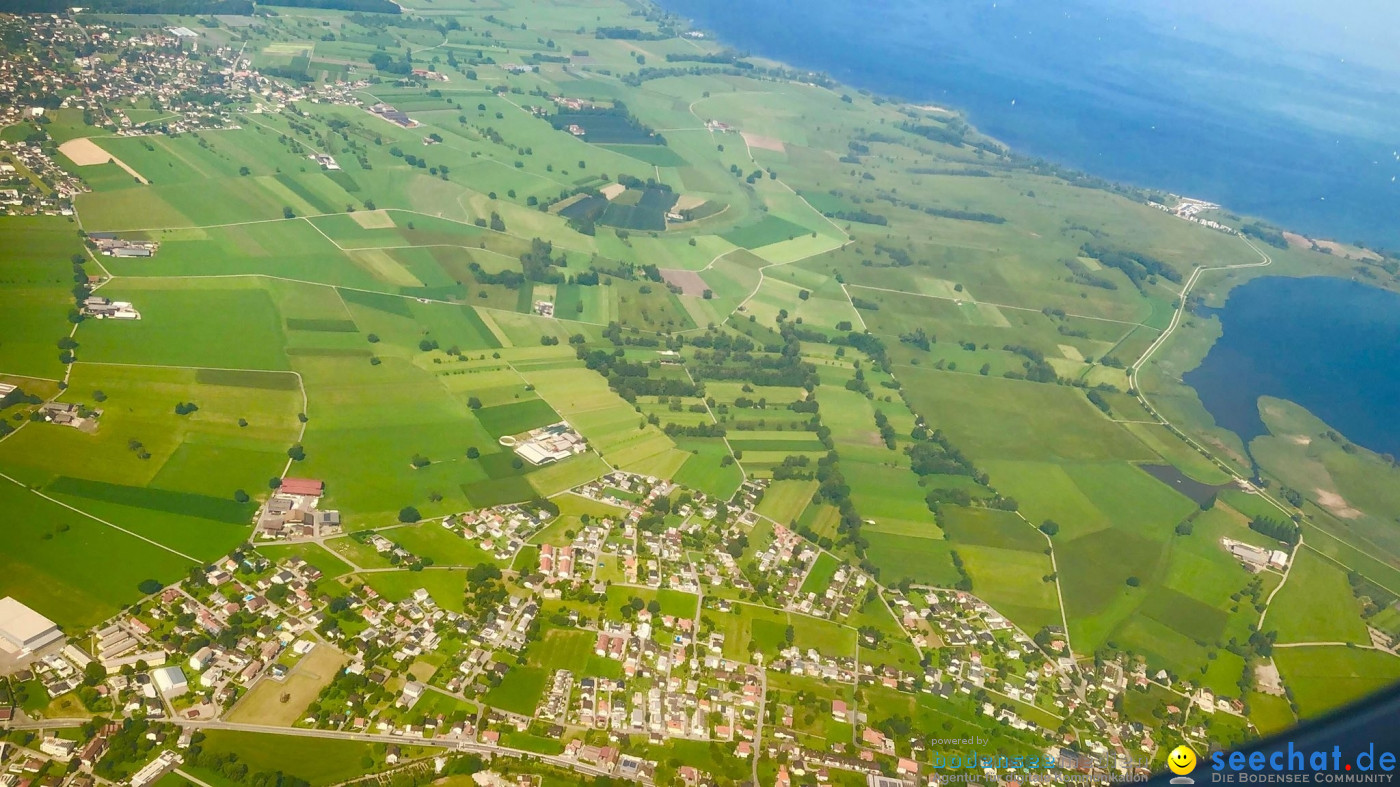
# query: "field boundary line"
[744,474]
[31,377]
[103,521]
[193,780]
[1059,595]
[859,317]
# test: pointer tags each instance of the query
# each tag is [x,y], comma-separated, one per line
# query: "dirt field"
[688,201]
[264,704]
[373,219]
[84,152]
[689,281]
[765,143]
[1337,249]
[1337,504]
[612,191]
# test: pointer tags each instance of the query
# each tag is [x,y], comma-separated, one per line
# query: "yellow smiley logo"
[1182,760]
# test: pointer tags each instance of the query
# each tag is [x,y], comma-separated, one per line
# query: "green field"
[772,229]
[315,554]
[35,277]
[783,501]
[509,419]
[1316,604]
[71,568]
[1324,678]
[318,761]
[766,629]
[446,586]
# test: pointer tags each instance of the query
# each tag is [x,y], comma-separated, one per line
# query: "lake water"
[1330,345]
[1311,143]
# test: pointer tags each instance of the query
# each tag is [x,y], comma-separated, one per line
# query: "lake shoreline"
[1051,113]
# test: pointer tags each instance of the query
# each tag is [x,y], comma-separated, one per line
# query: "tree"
[296,452]
[473,452]
[1133,582]
[239,496]
[149,586]
[288,213]
[474,403]
[1050,527]
[94,673]
[409,515]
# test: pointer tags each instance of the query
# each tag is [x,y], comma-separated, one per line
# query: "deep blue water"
[1308,142]
[1330,345]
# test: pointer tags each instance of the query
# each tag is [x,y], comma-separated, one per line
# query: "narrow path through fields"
[1133,380]
[103,521]
[998,305]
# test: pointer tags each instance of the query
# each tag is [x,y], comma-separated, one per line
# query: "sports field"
[280,703]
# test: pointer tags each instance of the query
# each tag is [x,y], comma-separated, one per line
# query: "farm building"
[109,244]
[547,444]
[103,308]
[393,115]
[305,487]
[24,630]
[291,512]
[69,414]
[1256,558]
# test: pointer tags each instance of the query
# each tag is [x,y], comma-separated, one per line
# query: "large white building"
[24,630]
[171,681]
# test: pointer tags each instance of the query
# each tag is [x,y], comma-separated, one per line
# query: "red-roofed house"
[306,487]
